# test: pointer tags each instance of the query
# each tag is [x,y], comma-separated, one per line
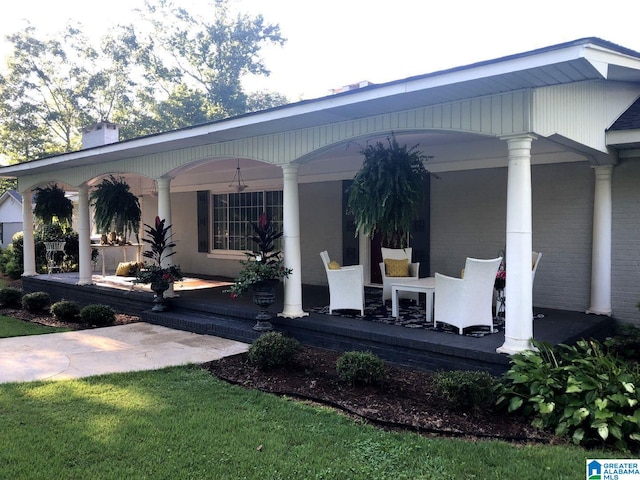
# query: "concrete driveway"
[122,348]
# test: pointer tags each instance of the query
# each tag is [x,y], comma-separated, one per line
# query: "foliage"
[272,349]
[11,262]
[13,327]
[360,368]
[465,391]
[140,422]
[116,208]
[582,391]
[98,315]
[65,310]
[627,343]
[10,297]
[51,204]
[265,263]
[36,301]
[161,245]
[387,192]
[210,54]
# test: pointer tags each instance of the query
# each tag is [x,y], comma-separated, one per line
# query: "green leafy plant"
[10,297]
[115,207]
[36,301]
[52,204]
[582,391]
[360,368]
[272,350]
[65,310]
[465,391]
[98,315]
[160,242]
[265,263]
[387,192]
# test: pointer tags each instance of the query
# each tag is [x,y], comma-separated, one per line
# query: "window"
[232,213]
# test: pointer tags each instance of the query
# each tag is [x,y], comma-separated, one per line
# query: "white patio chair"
[535,260]
[468,301]
[52,251]
[346,286]
[414,269]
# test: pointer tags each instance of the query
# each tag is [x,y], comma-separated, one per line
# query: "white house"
[10,216]
[535,151]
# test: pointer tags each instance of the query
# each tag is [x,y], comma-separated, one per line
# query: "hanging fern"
[387,192]
[115,207]
[51,204]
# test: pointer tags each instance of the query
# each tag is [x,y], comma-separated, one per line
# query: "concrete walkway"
[122,348]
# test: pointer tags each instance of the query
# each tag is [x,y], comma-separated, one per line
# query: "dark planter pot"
[159,302]
[264,295]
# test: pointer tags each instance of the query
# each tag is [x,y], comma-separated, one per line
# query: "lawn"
[13,327]
[183,423]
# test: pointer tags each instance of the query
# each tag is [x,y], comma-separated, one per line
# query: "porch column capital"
[29,249]
[519,285]
[601,242]
[291,240]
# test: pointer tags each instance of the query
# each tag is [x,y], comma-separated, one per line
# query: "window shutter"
[203,220]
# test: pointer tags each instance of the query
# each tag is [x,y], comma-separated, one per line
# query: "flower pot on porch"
[264,295]
[159,302]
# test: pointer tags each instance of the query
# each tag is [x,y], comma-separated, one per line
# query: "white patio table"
[422,285]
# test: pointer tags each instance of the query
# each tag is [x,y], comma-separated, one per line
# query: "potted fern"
[116,208]
[387,192]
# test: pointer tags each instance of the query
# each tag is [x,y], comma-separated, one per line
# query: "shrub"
[464,390]
[360,368]
[582,391]
[99,315]
[36,301]
[272,350]
[10,297]
[66,310]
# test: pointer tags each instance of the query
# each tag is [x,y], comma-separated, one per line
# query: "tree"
[210,57]
[387,192]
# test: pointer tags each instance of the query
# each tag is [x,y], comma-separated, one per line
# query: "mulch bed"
[406,401]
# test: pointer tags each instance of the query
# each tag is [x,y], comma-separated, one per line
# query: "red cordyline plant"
[160,242]
[265,263]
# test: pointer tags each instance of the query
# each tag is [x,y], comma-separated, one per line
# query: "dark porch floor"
[211,311]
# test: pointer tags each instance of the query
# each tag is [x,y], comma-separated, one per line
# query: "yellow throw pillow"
[123,269]
[396,268]
[333,265]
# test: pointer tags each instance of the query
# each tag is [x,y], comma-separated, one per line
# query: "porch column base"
[293,313]
[512,346]
[593,311]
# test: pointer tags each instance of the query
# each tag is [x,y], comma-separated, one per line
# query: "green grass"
[13,327]
[181,422]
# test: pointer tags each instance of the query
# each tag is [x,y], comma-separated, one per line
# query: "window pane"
[233,212]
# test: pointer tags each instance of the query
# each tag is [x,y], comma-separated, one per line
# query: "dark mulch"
[406,401]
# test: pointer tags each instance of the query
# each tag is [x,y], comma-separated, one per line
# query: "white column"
[164,209]
[164,212]
[29,249]
[291,239]
[601,248]
[84,236]
[519,285]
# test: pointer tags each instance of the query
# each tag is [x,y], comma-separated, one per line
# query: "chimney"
[99,134]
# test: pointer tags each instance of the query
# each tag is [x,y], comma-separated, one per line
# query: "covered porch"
[211,311]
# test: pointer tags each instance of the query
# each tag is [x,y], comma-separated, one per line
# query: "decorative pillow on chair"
[396,268]
[333,265]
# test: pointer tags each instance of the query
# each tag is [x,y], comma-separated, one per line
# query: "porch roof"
[575,61]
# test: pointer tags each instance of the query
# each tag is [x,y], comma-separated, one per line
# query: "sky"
[332,43]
